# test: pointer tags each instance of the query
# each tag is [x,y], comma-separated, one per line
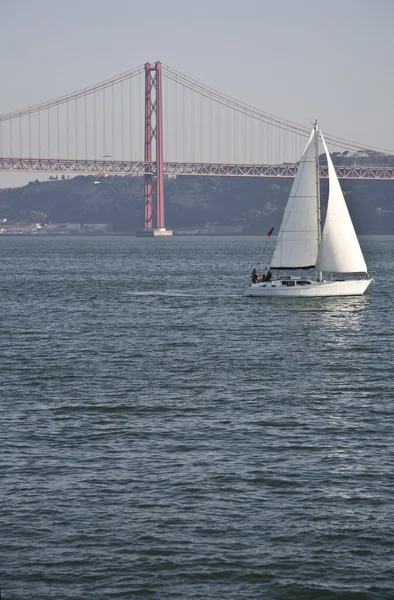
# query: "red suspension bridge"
[154,121]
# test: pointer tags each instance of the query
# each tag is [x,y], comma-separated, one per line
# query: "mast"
[318,211]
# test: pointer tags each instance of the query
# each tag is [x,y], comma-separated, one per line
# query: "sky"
[298,60]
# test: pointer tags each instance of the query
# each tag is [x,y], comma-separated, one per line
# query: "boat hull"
[351,287]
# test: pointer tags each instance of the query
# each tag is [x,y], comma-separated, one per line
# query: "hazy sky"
[333,60]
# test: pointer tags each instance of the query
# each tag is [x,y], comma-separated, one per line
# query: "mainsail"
[339,249]
[297,243]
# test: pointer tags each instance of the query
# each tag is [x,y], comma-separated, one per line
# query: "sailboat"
[301,243]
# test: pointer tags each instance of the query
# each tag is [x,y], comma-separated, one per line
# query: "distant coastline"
[194,205]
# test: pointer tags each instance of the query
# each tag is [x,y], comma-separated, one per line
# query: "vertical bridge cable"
[236,117]
[76,129]
[211,130]
[122,119]
[176,122]
[192,128]
[271,121]
[67,134]
[57,132]
[36,137]
[166,128]
[104,151]
[217,132]
[200,156]
[20,137]
[49,133]
[113,122]
[184,124]
[94,128]
[86,127]
[131,119]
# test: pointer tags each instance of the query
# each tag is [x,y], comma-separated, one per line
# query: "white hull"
[351,287]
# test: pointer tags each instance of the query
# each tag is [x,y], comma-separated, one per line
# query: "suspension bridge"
[154,121]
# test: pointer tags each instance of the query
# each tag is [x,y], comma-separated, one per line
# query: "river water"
[165,437]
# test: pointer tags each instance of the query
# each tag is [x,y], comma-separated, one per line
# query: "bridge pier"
[154,232]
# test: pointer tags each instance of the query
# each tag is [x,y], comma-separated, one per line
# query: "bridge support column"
[154,130]
[159,150]
[148,183]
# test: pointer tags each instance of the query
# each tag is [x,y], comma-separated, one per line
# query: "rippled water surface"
[165,437]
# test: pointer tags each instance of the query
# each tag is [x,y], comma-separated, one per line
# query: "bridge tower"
[154,212]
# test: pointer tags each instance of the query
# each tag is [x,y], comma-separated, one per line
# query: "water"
[165,437]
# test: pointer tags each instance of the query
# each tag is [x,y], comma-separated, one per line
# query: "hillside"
[254,203]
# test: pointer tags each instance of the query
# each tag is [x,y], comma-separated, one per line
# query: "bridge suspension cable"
[74,96]
[101,120]
[258,114]
[204,131]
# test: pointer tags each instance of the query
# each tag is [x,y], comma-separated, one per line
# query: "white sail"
[339,249]
[297,243]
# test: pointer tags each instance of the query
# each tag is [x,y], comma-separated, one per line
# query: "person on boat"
[255,276]
[267,276]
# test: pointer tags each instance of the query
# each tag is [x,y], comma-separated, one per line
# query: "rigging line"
[64,99]
[267,241]
[290,125]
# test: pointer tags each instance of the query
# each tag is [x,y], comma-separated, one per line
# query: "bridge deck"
[101,167]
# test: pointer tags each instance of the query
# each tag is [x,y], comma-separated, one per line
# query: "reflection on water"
[343,319]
